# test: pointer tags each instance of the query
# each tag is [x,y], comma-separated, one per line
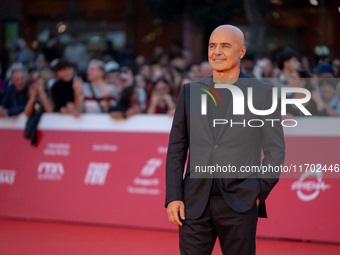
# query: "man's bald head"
[235,32]
[225,51]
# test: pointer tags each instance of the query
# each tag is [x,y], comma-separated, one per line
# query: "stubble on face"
[225,51]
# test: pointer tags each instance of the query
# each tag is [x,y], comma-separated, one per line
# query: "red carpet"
[45,238]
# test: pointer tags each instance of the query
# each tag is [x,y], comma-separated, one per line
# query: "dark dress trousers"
[238,146]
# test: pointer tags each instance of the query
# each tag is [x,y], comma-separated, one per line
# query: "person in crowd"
[126,79]
[193,71]
[139,61]
[99,96]
[323,70]
[37,104]
[39,62]
[156,55]
[157,71]
[205,70]
[140,86]
[185,79]
[248,62]
[14,65]
[126,56]
[176,75]
[50,50]
[145,70]
[161,100]
[301,79]
[25,54]
[288,62]
[16,94]
[110,53]
[128,104]
[178,61]
[67,89]
[175,48]
[112,72]
[307,62]
[327,88]
[48,75]
[188,57]
[336,67]
[263,68]
[76,52]
[38,96]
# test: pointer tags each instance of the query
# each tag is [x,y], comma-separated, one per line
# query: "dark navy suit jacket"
[237,145]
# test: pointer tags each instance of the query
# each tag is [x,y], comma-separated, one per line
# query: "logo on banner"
[146,184]
[96,173]
[162,149]
[238,104]
[105,147]
[308,189]
[7,176]
[57,149]
[50,171]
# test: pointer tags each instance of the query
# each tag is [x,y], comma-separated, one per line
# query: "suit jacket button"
[216,146]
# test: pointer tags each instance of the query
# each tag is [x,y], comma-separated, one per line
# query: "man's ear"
[243,51]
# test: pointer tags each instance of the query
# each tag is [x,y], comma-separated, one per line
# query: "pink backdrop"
[116,177]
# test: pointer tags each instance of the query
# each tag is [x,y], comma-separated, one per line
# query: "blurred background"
[136,27]
[155,43]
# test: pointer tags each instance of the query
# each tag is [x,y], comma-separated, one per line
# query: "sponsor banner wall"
[95,170]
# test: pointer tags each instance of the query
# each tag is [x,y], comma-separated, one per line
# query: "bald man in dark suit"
[226,206]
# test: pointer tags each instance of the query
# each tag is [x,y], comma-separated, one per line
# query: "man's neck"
[229,77]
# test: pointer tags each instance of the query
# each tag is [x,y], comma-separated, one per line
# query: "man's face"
[19,80]
[65,74]
[224,51]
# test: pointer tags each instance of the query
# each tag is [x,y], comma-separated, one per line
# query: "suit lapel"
[196,92]
[227,106]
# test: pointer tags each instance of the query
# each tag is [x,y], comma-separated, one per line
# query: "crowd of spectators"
[75,81]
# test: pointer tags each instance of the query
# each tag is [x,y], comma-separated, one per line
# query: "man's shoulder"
[197,82]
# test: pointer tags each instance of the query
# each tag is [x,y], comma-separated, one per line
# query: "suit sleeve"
[273,146]
[177,151]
